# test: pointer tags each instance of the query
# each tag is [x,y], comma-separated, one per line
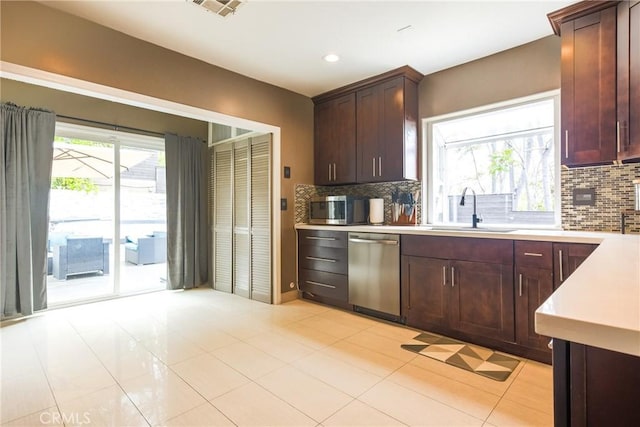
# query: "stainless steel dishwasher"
[374,273]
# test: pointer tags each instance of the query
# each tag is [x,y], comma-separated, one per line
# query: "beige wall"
[521,71]
[77,48]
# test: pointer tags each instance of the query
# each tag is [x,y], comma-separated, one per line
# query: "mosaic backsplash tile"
[614,193]
[381,190]
[613,184]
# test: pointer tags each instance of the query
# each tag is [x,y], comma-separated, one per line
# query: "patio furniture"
[80,255]
[150,249]
[55,239]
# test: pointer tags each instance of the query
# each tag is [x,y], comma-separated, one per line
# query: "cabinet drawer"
[320,283]
[534,254]
[325,238]
[333,260]
[495,251]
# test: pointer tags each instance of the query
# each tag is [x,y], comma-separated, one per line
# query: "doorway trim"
[82,87]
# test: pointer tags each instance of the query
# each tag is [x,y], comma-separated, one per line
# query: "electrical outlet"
[283,204]
[287,172]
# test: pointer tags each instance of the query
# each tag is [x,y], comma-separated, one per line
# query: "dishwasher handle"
[373,241]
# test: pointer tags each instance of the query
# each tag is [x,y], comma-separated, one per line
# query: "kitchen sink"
[479,229]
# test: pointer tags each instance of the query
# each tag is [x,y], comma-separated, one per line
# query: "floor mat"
[482,361]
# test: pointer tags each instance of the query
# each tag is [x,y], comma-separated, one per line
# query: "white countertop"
[480,232]
[598,305]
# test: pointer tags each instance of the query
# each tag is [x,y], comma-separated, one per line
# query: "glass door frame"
[118,140]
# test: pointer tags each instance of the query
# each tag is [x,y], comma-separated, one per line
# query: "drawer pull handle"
[373,242]
[324,285]
[320,238]
[313,258]
[532,254]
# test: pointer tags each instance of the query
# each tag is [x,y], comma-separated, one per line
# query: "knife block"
[404,219]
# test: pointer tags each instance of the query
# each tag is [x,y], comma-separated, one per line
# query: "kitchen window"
[507,154]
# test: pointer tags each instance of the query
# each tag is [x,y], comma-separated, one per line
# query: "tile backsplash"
[614,193]
[380,190]
[613,186]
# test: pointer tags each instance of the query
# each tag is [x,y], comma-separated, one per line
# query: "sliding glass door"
[143,220]
[107,225]
[80,250]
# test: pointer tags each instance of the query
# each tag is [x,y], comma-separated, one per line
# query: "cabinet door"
[588,89]
[335,141]
[387,141]
[425,292]
[482,299]
[368,125]
[533,287]
[343,146]
[390,161]
[567,258]
[629,80]
[323,139]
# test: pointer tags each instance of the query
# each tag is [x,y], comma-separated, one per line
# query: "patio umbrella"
[89,161]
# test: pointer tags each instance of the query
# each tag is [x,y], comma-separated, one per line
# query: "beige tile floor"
[205,358]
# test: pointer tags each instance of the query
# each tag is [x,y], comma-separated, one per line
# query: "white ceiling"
[283,42]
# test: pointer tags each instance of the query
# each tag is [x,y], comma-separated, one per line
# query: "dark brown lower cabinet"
[482,299]
[594,386]
[426,291]
[323,266]
[470,296]
[567,258]
[533,285]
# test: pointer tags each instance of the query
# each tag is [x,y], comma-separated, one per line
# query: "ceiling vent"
[219,7]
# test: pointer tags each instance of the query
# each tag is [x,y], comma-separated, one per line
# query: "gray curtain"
[187,246]
[25,179]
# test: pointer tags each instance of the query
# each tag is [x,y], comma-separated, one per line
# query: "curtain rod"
[112,126]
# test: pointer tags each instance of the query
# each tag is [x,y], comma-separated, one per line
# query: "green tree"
[75,184]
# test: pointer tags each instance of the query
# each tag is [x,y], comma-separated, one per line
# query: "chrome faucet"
[474,218]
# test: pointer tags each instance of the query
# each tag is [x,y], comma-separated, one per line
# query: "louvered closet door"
[241,208]
[222,218]
[261,218]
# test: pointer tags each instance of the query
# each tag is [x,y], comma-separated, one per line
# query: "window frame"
[428,171]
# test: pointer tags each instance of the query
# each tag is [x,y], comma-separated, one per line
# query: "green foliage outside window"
[75,184]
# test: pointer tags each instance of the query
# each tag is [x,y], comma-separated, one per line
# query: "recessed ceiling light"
[331,57]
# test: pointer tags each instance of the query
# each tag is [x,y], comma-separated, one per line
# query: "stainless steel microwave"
[338,210]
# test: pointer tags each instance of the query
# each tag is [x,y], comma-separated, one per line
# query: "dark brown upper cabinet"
[367,131]
[588,82]
[387,142]
[335,141]
[628,124]
[600,85]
